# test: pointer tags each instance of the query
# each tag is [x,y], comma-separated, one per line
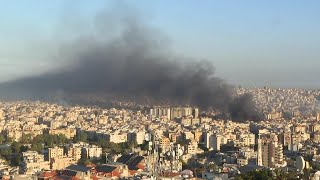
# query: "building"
[133,162]
[164,144]
[181,112]
[117,137]
[75,172]
[92,152]
[247,139]
[68,132]
[61,163]
[171,113]
[108,171]
[55,152]
[13,134]
[188,135]
[242,161]
[274,115]
[138,137]
[198,136]
[75,152]
[33,163]
[192,147]
[270,152]
[160,112]
[195,113]
[216,142]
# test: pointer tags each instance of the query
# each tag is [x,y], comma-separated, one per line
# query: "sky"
[251,43]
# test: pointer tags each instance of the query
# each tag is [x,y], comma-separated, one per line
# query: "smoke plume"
[122,57]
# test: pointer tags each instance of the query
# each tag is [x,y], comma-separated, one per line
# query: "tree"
[15,146]
[268,175]
[37,147]
[16,160]
[2,139]
[256,175]
[83,137]
[26,138]
[6,153]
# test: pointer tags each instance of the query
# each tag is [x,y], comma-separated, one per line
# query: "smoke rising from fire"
[122,57]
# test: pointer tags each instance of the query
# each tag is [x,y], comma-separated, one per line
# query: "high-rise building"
[318,117]
[216,142]
[92,152]
[270,152]
[195,113]
[75,152]
[181,112]
[192,147]
[171,113]
[160,112]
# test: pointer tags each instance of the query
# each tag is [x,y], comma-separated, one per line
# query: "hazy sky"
[252,43]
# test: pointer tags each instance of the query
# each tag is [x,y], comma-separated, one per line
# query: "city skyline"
[250,43]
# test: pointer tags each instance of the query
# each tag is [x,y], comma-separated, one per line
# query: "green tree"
[2,139]
[16,160]
[26,138]
[6,153]
[37,147]
[15,147]
[269,175]
[81,137]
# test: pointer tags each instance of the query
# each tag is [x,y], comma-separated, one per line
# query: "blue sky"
[252,43]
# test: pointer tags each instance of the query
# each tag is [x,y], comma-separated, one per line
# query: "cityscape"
[52,141]
[159,90]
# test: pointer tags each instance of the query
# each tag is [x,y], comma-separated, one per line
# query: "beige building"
[55,152]
[93,152]
[246,140]
[13,134]
[192,147]
[270,152]
[242,161]
[117,137]
[164,143]
[198,136]
[138,137]
[33,163]
[75,153]
[188,135]
[61,163]
[68,132]
[274,115]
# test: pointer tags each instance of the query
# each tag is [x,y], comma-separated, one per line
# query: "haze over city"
[245,41]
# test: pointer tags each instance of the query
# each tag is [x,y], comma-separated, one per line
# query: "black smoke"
[242,108]
[133,64]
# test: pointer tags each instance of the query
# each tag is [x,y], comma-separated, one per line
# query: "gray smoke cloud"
[129,60]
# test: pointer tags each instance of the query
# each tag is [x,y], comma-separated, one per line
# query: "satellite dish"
[300,163]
